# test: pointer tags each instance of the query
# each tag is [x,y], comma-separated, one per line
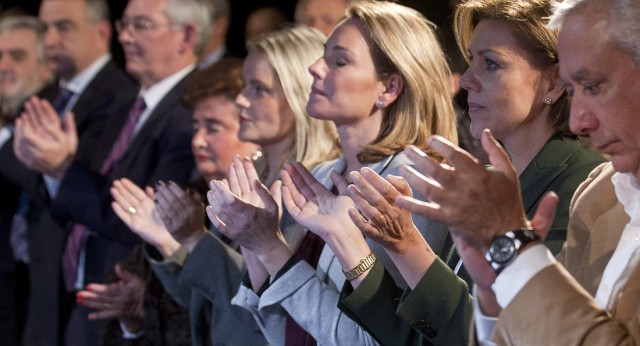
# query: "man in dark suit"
[23,72]
[146,142]
[76,48]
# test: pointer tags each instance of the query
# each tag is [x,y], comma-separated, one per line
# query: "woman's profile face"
[345,83]
[505,89]
[265,115]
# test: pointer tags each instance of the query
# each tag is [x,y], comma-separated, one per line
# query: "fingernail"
[88,288]
[354,176]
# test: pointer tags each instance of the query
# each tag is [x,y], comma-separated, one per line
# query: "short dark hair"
[224,78]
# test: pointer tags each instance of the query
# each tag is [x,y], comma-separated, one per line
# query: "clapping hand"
[245,211]
[380,218]
[138,211]
[42,142]
[122,300]
[182,213]
[313,205]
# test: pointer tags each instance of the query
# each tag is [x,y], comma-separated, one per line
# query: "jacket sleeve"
[569,316]
[312,303]
[438,310]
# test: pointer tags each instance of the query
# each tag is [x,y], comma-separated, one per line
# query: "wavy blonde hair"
[403,42]
[290,52]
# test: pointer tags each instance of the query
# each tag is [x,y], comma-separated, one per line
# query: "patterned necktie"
[75,239]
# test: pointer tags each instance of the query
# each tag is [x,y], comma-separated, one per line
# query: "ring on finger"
[132,210]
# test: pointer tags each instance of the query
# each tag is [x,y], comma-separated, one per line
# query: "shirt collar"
[78,83]
[155,93]
[628,193]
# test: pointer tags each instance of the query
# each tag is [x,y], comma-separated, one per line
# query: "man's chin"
[626,164]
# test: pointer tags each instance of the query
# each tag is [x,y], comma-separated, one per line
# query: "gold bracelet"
[364,265]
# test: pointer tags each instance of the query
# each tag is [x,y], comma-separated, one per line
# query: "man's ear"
[105,30]
[393,87]
[190,37]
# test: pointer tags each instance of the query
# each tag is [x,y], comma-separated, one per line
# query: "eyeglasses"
[136,25]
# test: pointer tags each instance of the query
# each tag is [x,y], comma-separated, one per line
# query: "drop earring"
[379,103]
[548,101]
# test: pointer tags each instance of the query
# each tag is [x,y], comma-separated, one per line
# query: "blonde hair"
[403,42]
[528,20]
[290,52]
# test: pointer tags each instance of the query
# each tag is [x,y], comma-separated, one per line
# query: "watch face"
[502,249]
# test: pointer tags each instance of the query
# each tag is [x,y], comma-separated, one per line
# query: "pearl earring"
[548,101]
[379,103]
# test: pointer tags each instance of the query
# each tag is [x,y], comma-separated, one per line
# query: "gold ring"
[380,219]
[132,210]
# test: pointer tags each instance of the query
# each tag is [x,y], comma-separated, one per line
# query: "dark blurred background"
[437,11]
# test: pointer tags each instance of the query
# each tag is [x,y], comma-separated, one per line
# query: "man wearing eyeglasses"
[147,141]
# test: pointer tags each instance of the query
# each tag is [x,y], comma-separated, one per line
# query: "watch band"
[364,265]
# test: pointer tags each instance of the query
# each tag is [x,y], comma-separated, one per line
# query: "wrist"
[190,241]
[487,302]
[414,262]
[168,247]
[61,170]
[275,257]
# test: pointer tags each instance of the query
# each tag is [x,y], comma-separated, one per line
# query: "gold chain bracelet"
[364,265]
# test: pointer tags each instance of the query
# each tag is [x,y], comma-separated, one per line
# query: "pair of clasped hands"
[475,202]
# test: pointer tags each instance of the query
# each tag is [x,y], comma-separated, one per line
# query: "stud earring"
[548,101]
[379,103]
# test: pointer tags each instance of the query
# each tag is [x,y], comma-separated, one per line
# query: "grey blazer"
[311,296]
[204,282]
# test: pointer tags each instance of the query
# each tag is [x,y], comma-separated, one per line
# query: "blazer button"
[425,329]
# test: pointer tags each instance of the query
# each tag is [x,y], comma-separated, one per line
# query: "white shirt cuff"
[127,335]
[484,324]
[5,134]
[526,265]
[53,185]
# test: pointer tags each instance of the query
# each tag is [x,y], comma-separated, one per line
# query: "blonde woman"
[197,267]
[382,81]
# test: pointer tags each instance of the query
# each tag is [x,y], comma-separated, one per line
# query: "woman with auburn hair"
[197,267]
[514,90]
[382,94]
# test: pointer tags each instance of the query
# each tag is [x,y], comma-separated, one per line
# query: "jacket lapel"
[546,166]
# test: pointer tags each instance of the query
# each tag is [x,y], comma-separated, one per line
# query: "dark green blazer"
[439,309]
